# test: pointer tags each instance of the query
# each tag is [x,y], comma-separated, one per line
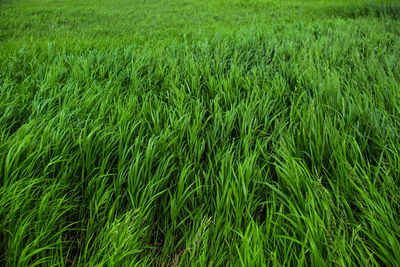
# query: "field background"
[199,132]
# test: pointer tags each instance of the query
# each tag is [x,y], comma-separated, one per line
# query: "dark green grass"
[244,133]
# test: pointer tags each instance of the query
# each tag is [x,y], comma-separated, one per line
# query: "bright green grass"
[198,132]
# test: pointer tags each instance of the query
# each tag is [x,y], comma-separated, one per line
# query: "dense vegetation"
[199,132]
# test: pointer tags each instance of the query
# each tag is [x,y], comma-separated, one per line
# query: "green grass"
[199,132]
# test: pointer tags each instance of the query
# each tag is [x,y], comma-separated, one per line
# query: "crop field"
[199,133]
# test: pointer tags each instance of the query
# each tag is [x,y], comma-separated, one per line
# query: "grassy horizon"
[199,133]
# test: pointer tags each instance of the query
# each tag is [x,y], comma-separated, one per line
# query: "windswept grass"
[220,133]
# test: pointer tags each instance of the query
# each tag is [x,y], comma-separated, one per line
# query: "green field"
[199,133]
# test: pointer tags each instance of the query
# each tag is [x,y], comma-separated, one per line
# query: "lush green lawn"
[199,132]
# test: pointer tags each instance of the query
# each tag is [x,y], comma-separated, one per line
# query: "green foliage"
[203,133]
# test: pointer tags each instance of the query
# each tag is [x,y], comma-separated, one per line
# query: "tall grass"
[276,144]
